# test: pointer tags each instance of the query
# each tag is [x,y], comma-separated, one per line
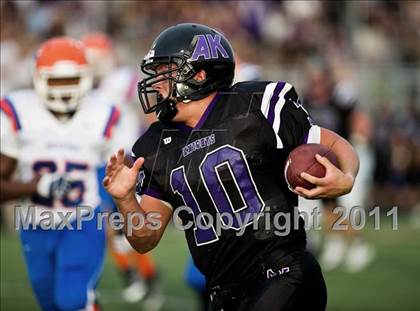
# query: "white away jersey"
[41,143]
[121,87]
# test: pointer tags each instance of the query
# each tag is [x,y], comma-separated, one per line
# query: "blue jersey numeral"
[75,195]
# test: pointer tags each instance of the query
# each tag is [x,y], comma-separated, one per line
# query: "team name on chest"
[198,144]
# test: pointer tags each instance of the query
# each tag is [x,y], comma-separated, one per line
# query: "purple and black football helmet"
[186,49]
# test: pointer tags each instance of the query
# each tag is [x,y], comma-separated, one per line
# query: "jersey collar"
[209,109]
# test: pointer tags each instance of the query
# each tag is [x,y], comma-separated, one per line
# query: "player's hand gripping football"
[120,180]
[333,184]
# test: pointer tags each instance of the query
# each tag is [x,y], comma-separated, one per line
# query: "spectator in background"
[330,99]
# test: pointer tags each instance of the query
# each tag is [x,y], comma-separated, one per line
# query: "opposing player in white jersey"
[53,138]
[119,83]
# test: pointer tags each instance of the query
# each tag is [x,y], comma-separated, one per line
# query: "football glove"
[54,186]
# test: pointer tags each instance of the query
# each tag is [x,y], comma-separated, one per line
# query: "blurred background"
[360,57]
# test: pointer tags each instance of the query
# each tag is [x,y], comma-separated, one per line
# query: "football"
[302,159]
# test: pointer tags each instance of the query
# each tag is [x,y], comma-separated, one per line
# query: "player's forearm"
[142,239]
[346,155]
[15,189]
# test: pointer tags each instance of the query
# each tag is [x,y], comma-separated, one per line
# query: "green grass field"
[391,282]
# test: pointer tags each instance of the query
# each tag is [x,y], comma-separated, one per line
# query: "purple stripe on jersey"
[183,127]
[273,101]
[305,138]
[154,193]
[187,129]
[207,112]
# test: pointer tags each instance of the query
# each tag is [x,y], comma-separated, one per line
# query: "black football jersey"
[230,164]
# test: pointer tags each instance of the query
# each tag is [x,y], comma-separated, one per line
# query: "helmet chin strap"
[167,110]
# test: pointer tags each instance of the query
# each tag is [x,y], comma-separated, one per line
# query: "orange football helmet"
[62,74]
[100,53]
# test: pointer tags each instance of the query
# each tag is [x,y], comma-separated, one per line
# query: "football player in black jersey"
[220,150]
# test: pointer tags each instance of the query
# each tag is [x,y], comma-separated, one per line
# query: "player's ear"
[200,76]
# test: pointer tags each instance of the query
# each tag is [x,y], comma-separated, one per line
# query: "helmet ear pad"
[185,90]
[217,77]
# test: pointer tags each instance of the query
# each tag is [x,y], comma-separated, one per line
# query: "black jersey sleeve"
[146,183]
[282,108]
[149,181]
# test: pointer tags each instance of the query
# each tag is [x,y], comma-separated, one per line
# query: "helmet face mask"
[64,96]
[185,50]
[177,73]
